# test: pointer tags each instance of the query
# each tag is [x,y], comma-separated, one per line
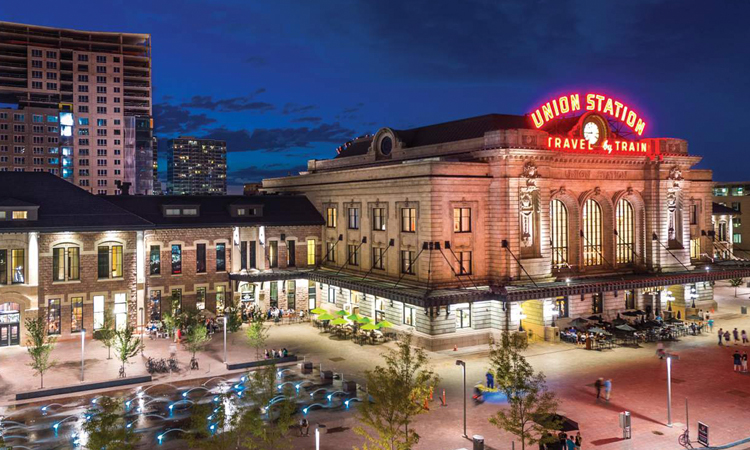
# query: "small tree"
[260,426]
[399,391]
[735,282]
[196,340]
[234,319]
[107,427]
[210,428]
[257,335]
[532,407]
[106,334]
[169,321]
[39,345]
[126,346]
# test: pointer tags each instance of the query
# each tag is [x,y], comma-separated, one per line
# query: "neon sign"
[592,102]
[609,146]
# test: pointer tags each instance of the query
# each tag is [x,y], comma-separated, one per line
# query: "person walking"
[736,335]
[744,361]
[711,325]
[737,361]
[727,337]
[721,335]
[744,337]
[490,380]
[570,443]
[607,388]
[598,386]
[578,441]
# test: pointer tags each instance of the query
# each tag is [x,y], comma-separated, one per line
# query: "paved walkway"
[717,396]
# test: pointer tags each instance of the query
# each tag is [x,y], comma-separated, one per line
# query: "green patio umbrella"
[384,324]
[325,316]
[369,327]
[339,321]
[364,320]
[341,312]
[354,317]
[318,311]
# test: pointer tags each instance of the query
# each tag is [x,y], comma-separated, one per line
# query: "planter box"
[83,387]
[261,363]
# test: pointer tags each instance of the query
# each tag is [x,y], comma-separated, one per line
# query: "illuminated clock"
[592,132]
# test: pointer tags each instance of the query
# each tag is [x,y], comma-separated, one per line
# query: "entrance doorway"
[10,323]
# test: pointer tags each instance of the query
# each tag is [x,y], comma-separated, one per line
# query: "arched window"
[559,234]
[66,262]
[592,233]
[625,232]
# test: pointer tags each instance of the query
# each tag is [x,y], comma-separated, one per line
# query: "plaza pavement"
[718,396]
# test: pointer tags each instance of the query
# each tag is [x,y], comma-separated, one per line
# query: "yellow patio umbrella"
[364,320]
[369,327]
[384,324]
[318,311]
[325,316]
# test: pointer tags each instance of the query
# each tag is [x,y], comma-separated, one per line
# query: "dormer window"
[246,210]
[172,212]
[179,210]
[20,215]
[190,212]
[14,209]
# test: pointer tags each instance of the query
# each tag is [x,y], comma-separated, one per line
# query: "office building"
[196,166]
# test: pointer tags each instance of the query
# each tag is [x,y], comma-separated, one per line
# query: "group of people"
[726,336]
[740,361]
[252,312]
[563,442]
[273,353]
[600,384]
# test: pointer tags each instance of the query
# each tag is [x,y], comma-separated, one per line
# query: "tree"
[39,345]
[210,428]
[531,407]
[399,391]
[260,425]
[107,427]
[106,334]
[196,340]
[126,345]
[257,334]
[735,282]
[169,321]
[234,319]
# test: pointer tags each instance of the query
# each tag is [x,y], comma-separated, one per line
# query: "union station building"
[455,231]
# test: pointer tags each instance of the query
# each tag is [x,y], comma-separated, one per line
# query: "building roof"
[62,205]
[719,209]
[215,210]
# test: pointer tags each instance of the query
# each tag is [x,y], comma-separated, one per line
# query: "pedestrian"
[721,335]
[579,441]
[570,443]
[304,427]
[727,337]
[744,337]
[660,350]
[737,361]
[598,385]
[736,335]
[711,325]
[607,388]
[744,361]
[490,380]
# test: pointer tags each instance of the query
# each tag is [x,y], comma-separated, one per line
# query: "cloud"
[293,108]
[232,104]
[254,174]
[280,139]
[353,109]
[309,119]
[172,119]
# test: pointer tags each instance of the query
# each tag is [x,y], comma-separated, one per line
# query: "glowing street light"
[463,370]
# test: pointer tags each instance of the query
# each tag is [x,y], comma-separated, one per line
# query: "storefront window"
[463,316]
[53,316]
[625,232]
[562,307]
[592,233]
[559,234]
[200,258]
[98,312]
[291,294]
[410,316]
[220,300]
[200,298]
[76,314]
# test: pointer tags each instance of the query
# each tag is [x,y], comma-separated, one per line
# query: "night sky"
[287,81]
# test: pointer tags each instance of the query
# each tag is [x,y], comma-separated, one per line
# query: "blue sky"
[287,81]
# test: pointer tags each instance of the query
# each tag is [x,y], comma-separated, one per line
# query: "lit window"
[408,220]
[20,215]
[625,232]
[592,233]
[311,252]
[559,234]
[331,217]
[98,312]
[461,220]
[410,316]
[378,219]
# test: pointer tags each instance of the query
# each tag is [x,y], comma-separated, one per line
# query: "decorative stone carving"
[597,191]
[531,173]
[675,175]
[629,191]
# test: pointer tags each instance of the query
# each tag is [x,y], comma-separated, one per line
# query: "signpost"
[703,434]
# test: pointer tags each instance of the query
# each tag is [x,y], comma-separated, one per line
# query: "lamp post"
[317,438]
[463,370]
[670,356]
[520,321]
[225,339]
[83,337]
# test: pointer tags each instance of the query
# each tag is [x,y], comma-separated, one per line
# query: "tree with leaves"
[127,345]
[106,334]
[399,391]
[261,426]
[531,412]
[257,335]
[234,319]
[196,340]
[736,283]
[210,428]
[107,426]
[39,344]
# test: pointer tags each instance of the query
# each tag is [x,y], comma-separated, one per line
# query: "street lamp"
[463,370]
[83,337]
[225,340]
[669,387]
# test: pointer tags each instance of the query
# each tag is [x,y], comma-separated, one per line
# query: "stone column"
[140,278]
[32,275]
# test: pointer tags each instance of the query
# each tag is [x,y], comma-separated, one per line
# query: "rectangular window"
[353,218]
[462,220]
[695,248]
[74,263]
[311,296]
[463,316]
[410,316]
[154,261]
[76,314]
[378,258]
[353,255]
[200,258]
[18,265]
[220,300]
[20,215]
[155,299]
[253,255]
[693,214]
[629,299]
[200,298]
[378,219]
[736,238]
[3,267]
[58,264]
[54,316]
[291,253]
[331,252]
[274,294]
[597,303]
[311,252]
[408,220]
[379,309]
[331,217]
[221,257]
[737,206]
[176,301]
[117,261]
[243,255]
[465,263]
[407,262]
[121,311]
[98,312]
[273,253]
[176,259]
[291,294]
[563,308]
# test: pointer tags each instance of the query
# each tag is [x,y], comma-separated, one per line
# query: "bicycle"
[193,364]
[684,439]
[173,365]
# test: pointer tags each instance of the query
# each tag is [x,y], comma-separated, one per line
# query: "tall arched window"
[559,234]
[592,233]
[625,232]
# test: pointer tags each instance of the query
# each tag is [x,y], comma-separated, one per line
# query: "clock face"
[386,145]
[591,132]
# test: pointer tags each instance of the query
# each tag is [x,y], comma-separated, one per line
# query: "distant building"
[196,166]
[735,196]
[251,188]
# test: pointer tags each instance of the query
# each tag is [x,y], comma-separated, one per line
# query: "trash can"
[478,442]
[625,424]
